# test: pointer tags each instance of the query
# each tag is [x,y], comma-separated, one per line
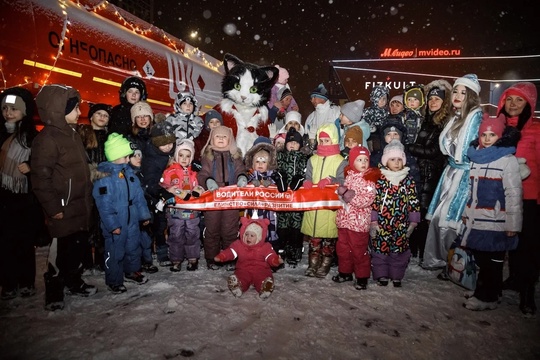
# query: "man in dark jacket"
[61,179]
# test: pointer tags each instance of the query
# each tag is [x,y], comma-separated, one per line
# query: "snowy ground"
[177,315]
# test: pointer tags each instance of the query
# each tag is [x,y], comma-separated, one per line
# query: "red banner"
[250,197]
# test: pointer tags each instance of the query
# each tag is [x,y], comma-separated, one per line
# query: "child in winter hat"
[255,258]
[394,149]
[141,108]
[162,134]
[351,117]
[293,135]
[494,125]
[396,105]
[353,137]
[353,110]
[117,147]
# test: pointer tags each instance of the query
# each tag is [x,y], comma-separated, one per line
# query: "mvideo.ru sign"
[398,53]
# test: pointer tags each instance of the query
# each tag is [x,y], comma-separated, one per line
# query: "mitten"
[256,182]
[524,170]
[280,180]
[184,195]
[266,182]
[348,196]
[241,181]
[197,191]
[219,257]
[410,229]
[341,190]
[323,182]
[308,184]
[296,182]
[196,166]
[170,201]
[211,184]
[373,229]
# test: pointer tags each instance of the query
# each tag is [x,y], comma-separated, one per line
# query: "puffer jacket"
[529,145]
[60,172]
[495,191]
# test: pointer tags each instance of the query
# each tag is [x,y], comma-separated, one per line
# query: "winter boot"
[342,277]
[234,285]
[54,292]
[475,304]
[361,284]
[324,268]
[192,265]
[382,281]
[266,288]
[315,257]
[526,301]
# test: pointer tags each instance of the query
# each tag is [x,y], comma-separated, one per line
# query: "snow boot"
[361,284]
[324,268]
[474,304]
[526,301]
[342,277]
[54,292]
[83,290]
[314,256]
[234,285]
[266,288]
[382,281]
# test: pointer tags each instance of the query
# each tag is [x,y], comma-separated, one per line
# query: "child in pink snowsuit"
[255,257]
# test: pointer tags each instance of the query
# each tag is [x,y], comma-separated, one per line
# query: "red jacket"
[529,145]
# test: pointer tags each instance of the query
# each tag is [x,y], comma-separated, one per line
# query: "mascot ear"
[272,72]
[230,61]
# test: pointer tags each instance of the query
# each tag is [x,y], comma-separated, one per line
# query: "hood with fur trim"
[270,149]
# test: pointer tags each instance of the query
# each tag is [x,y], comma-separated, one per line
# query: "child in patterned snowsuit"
[353,221]
[376,114]
[255,259]
[186,123]
[395,214]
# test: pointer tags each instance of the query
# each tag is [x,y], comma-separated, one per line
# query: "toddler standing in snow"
[395,214]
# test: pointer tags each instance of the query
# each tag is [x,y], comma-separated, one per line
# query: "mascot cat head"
[247,84]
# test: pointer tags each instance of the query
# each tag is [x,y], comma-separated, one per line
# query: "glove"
[308,184]
[524,170]
[196,166]
[296,182]
[211,184]
[348,196]
[197,191]
[373,230]
[280,180]
[323,182]
[410,229]
[272,129]
[184,195]
[241,181]
[341,190]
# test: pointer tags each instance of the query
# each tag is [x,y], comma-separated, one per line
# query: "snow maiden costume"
[450,196]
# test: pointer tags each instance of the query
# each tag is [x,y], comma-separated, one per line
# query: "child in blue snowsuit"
[122,208]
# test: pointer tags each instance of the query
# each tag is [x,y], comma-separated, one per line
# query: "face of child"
[279,144]
[391,135]
[396,107]
[11,114]
[292,124]
[382,102]
[260,164]
[293,146]
[395,164]
[187,107]
[214,123]
[143,121]
[413,103]
[184,157]
[100,119]
[136,160]
[459,93]
[122,160]
[344,120]
[166,148]
[220,141]
[286,101]
[350,142]
[514,105]
[361,163]
[434,103]
[133,95]
[488,138]
[73,116]
[250,238]
[325,141]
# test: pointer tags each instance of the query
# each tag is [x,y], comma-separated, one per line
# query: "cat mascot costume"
[246,90]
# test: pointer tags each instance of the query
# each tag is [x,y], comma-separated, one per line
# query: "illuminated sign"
[398,53]
[392,85]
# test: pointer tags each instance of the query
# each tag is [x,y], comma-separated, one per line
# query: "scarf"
[11,155]
[395,177]
[328,150]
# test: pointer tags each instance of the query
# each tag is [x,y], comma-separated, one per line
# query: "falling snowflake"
[229,29]
[207,14]
[393,10]
[352,48]
[159,12]
[405,29]
[257,37]
[207,40]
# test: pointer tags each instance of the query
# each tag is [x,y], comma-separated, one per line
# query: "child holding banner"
[222,165]
[326,167]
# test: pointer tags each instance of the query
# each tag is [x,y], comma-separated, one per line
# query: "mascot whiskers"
[246,90]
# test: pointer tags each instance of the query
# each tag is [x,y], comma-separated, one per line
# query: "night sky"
[304,36]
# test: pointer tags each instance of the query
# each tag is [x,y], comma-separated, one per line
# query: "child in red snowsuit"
[255,259]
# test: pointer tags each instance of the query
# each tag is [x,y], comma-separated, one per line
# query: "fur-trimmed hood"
[270,149]
[207,150]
